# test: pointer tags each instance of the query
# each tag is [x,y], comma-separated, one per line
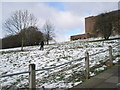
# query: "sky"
[68,18]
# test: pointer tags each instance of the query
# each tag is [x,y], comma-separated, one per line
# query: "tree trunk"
[22,44]
[106,37]
[47,42]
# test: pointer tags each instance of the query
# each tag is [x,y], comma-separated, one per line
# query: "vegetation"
[23,31]
[104,40]
[107,24]
[32,36]
[49,31]
[19,22]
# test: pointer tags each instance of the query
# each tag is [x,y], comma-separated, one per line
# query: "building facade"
[89,27]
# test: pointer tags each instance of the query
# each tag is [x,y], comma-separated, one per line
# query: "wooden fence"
[32,70]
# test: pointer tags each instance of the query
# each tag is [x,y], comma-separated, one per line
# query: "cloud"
[66,20]
[0,20]
[90,8]
[59,0]
[63,21]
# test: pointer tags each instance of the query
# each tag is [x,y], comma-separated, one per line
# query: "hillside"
[67,76]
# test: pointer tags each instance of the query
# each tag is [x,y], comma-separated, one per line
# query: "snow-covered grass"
[13,61]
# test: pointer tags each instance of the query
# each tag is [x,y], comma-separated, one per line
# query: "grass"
[12,51]
[76,76]
[104,40]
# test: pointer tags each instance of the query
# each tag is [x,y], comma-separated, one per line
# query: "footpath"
[107,79]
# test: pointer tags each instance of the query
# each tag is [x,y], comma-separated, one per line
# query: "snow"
[13,60]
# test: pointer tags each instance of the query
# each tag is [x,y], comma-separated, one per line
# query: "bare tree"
[49,31]
[18,22]
[104,25]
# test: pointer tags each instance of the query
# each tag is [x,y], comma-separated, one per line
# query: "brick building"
[81,36]
[89,27]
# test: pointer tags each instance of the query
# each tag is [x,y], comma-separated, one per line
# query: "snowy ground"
[13,61]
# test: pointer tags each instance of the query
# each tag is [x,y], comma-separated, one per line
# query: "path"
[107,79]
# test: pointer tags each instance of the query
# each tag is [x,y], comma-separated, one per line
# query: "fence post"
[87,69]
[110,56]
[32,84]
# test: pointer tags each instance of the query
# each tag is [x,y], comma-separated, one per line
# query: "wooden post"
[87,69]
[32,84]
[110,56]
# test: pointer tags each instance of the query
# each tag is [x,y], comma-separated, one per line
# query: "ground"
[13,60]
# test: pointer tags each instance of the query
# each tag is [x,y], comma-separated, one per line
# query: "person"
[42,45]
